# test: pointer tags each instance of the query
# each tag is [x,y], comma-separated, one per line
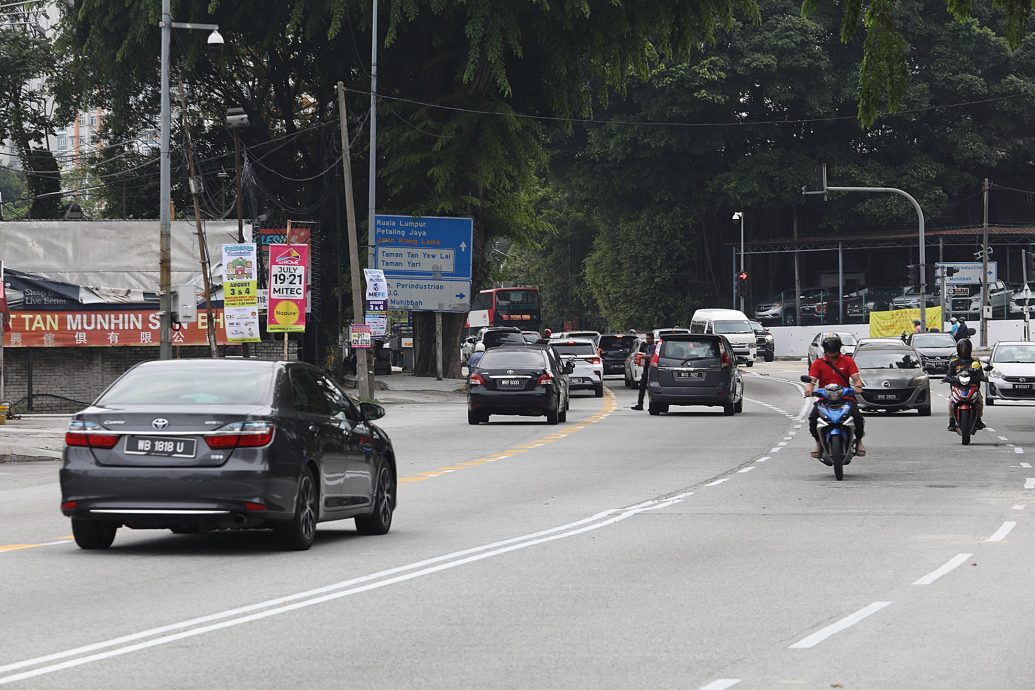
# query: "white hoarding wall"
[109,253]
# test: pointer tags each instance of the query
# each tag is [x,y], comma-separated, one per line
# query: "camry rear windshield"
[890,359]
[530,359]
[726,327]
[689,349]
[187,383]
[578,349]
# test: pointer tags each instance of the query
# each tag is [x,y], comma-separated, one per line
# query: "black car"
[613,349]
[764,341]
[529,381]
[935,349]
[198,445]
[697,369]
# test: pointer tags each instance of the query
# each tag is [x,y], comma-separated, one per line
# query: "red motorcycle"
[965,401]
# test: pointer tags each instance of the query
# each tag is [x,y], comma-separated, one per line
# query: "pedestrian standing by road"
[962,330]
[917,328]
[955,326]
[648,354]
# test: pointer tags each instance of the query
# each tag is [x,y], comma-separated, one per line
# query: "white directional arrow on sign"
[463,246]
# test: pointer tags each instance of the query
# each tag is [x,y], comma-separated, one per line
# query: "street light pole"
[739,215]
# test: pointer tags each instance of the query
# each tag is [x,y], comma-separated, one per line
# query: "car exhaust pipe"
[238,519]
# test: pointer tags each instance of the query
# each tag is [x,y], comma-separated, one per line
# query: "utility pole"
[195,189]
[372,173]
[164,221]
[1025,292]
[984,261]
[366,391]
[237,119]
[797,277]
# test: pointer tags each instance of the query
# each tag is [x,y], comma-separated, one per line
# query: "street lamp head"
[738,215]
[215,45]
[236,118]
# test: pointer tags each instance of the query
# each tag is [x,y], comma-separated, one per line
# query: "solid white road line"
[721,684]
[843,624]
[954,562]
[1003,530]
[1029,483]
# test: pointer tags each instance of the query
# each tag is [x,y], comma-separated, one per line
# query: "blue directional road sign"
[426,261]
[423,246]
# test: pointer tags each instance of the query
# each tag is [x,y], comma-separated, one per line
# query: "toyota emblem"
[160,424]
[510,371]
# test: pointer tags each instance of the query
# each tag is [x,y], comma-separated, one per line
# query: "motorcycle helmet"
[964,348]
[952,320]
[831,343]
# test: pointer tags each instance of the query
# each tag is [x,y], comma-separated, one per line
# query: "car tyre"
[769,357]
[299,533]
[93,534]
[562,416]
[628,381]
[729,409]
[553,416]
[924,411]
[751,362]
[474,418]
[990,401]
[598,390]
[380,520]
[656,408]
[739,406]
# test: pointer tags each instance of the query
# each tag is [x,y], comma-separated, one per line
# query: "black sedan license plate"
[692,375]
[510,383]
[162,446]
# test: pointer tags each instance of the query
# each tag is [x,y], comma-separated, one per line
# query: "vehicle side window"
[307,394]
[338,400]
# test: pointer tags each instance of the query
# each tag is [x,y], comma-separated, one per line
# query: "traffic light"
[914,276]
[930,277]
[742,283]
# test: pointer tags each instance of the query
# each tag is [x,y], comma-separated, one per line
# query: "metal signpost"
[1026,293]
[427,264]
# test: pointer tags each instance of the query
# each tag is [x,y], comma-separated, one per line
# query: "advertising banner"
[287,288]
[122,328]
[892,324]
[376,301]
[359,336]
[241,293]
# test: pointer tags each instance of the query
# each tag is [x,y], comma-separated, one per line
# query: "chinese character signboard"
[240,293]
[287,287]
[122,328]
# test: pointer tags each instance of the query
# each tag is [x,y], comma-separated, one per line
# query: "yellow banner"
[240,293]
[891,324]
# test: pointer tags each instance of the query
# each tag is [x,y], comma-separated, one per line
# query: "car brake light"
[476,380]
[657,356]
[253,507]
[725,359]
[639,359]
[545,380]
[69,505]
[593,360]
[241,435]
[89,435]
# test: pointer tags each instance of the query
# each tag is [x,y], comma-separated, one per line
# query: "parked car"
[910,298]
[848,345]
[613,349]
[589,367]
[1000,296]
[892,378]
[522,380]
[695,369]
[1017,303]
[777,310]
[860,303]
[935,349]
[193,445]
[764,341]
[1011,372]
[635,363]
[818,306]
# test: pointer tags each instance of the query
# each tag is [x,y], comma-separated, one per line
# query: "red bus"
[512,306]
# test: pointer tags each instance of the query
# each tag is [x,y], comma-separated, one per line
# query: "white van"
[731,323]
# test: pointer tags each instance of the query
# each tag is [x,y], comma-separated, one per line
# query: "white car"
[635,362]
[593,336]
[848,343]
[1011,372]
[589,367]
[660,333]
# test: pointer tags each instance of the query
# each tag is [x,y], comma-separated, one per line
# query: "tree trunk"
[424,344]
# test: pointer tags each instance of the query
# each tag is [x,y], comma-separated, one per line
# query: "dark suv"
[613,349]
[695,369]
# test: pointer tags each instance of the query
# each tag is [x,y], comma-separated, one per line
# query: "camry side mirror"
[805,379]
[371,411]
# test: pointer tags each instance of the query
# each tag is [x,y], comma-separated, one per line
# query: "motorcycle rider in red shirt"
[834,367]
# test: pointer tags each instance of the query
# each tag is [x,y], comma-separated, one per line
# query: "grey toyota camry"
[200,445]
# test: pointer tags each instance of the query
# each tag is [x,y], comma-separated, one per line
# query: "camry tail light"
[476,380]
[89,435]
[545,380]
[241,435]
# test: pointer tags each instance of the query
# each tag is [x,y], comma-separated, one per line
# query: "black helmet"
[916,322]
[964,347]
[831,343]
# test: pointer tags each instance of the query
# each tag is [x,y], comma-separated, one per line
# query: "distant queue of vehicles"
[821,305]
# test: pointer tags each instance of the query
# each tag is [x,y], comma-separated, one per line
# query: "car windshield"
[684,350]
[528,359]
[727,327]
[848,339]
[577,349]
[188,383]
[886,359]
[934,340]
[1015,354]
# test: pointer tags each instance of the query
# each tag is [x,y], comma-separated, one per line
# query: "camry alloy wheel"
[307,505]
[384,495]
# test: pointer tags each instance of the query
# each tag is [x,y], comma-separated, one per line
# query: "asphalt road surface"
[618,550]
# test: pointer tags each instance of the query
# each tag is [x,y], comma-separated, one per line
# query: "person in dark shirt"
[648,354]
[964,361]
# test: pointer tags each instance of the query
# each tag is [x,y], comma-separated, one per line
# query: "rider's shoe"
[979,425]
[952,425]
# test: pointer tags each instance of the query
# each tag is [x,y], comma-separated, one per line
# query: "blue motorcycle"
[836,427]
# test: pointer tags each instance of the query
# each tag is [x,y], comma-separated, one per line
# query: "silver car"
[893,378]
[1011,372]
[848,343]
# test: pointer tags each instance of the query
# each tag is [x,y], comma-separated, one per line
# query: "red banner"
[129,328]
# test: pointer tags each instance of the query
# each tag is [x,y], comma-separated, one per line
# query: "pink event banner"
[287,279]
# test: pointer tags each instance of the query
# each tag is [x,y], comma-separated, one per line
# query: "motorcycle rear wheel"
[837,455]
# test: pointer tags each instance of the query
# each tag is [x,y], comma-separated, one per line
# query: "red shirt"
[844,364]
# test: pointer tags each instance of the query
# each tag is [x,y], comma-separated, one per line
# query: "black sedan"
[529,381]
[935,349]
[200,445]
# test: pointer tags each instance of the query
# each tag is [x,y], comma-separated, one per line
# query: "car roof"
[884,345]
[679,337]
[572,341]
